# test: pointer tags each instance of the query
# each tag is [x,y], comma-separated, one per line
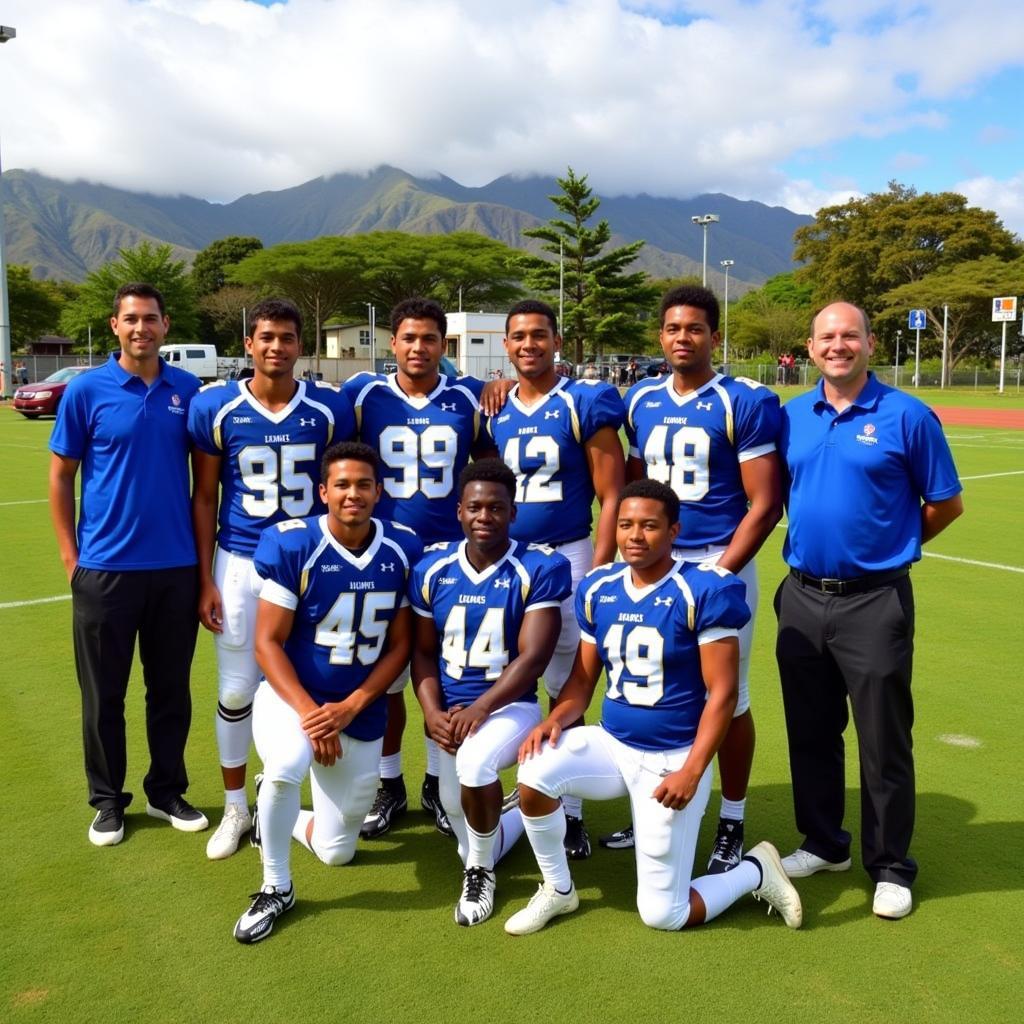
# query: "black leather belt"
[858,585]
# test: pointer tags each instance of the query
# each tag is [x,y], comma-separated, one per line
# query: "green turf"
[142,931]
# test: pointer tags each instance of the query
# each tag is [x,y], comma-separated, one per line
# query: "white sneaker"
[476,903]
[892,901]
[802,863]
[775,888]
[235,823]
[547,902]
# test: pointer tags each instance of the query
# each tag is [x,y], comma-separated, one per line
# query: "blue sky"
[793,102]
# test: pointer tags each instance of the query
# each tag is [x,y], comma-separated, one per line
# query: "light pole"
[703,221]
[6,32]
[896,364]
[726,264]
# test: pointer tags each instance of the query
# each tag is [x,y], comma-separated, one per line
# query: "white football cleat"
[776,889]
[546,903]
[476,903]
[233,826]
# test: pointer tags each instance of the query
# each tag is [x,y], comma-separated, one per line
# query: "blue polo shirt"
[856,480]
[132,442]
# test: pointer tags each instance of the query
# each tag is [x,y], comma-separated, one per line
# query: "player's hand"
[327,750]
[465,722]
[494,394]
[547,732]
[677,789]
[211,609]
[439,727]
[329,718]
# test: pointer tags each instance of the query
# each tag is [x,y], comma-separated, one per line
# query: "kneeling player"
[332,632]
[665,633]
[487,622]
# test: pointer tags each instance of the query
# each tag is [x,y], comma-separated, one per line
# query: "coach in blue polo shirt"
[132,561]
[870,478]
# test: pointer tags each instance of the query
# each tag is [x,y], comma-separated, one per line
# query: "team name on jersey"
[417,421]
[630,617]
[361,585]
[472,599]
[276,438]
[242,419]
[527,430]
[677,420]
[444,581]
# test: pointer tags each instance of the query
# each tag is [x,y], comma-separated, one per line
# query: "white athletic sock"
[234,735]
[481,847]
[721,891]
[299,832]
[279,808]
[510,828]
[573,805]
[546,835]
[433,761]
[733,809]
[235,796]
[391,766]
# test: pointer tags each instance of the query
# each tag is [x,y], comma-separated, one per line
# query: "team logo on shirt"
[502,583]
[387,566]
[175,405]
[868,437]
[175,400]
[307,423]
[551,415]
[445,407]
[704,405]
[666,601]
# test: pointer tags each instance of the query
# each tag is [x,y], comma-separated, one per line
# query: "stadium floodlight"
[6,33]
[726,264]
[704,221]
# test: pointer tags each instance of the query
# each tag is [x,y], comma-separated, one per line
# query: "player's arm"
[636,469]
[719,665]
[607,467]
[62,509]
[426,682]
[273,627]
[537,638]
[205,487]
[937,515]
[334,716]
[571,704]
[494,395]
[762,484]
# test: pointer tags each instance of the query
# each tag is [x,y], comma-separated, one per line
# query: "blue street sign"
[917,320]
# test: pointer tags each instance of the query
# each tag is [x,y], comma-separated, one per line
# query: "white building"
[352,341]
[475,344]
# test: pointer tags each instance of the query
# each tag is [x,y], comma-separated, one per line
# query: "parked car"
[42,399]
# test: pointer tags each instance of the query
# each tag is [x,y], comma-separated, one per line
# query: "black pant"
[858,646]
[109,610]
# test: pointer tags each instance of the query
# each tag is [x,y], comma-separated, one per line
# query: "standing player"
[560,438]
[712,439]
[425,427]
[259,442]
[332,632]
[487,622]
[664,632]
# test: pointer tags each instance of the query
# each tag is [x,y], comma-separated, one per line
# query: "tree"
[322,277]
[968,290]
[867,247]
[210,265]
[153,264]
[34,307]
[222,312]
[478,270]
[774,318]
[604,305]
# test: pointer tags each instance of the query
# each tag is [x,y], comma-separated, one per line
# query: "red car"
[42,399]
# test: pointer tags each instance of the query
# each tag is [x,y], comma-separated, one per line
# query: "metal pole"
[90,343]
[372,320]
[917,358]
[561,284]
[1002,361]
[6,366]
[896,364]
[704,273]
[945,340]
[725,347]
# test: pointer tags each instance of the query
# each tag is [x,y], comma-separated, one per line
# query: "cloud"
[995,135]
[1006,197]
[221,97]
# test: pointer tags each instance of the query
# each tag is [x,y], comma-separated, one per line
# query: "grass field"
[142,931]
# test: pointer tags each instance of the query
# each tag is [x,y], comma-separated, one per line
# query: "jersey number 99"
[415,456]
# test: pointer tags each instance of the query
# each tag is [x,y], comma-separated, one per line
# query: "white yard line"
[972,561]
[988,476]
[38,600]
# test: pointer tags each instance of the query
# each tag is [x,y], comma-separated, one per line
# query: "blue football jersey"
[695,444]
[424,443]
[343,605]
[543,445]
[479,615]
[648,639]
[270,461]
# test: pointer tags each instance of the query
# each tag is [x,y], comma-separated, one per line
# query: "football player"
[712,439]
[425,426]
[560,438]
[333,631]
[258,443]
[665,633]
[487,620]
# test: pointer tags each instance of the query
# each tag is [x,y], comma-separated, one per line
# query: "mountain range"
[62,229]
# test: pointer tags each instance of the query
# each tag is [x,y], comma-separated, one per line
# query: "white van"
[198,359]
